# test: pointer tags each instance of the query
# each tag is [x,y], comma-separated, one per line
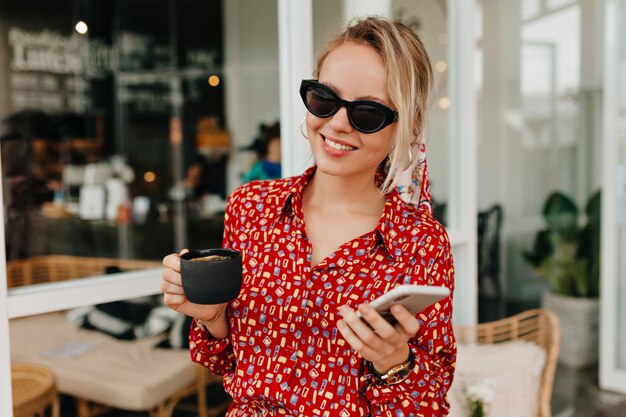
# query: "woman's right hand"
[174,294]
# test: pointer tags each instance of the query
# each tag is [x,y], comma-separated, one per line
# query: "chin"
[330,167]
[343,169]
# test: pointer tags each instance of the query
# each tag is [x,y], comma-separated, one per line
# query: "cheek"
[383,141]
[312,122]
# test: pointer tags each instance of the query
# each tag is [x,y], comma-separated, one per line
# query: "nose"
[340,122]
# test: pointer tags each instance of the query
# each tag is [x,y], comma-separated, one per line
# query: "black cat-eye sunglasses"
[366,116]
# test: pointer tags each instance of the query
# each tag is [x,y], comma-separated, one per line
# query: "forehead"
[355,70]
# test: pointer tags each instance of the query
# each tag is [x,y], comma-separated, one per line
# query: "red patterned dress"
[284,354]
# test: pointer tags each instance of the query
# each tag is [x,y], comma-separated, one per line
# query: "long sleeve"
[216,354]
[423,393]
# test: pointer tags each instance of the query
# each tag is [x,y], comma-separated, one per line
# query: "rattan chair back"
[538,326]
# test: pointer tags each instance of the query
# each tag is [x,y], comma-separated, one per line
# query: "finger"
[406,321]
[360,329]
[172,300]
[172,276]
[381,326]
[184,251]
[355,342]
[168,287]
[172,261]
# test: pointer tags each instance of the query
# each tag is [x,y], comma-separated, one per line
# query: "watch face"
[398,377]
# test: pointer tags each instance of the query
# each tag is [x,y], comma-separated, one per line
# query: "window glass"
[539,125]
[119,146]
[125,125]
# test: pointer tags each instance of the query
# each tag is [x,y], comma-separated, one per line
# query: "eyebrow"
[371,98]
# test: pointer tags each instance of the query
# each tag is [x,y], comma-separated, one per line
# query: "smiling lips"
[336,146]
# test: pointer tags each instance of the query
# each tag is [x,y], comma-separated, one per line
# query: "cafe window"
[125,125]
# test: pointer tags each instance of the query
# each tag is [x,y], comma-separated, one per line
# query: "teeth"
[338,146]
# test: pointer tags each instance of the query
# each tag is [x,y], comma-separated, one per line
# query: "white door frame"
[611,377]
[295,40]
[462,158]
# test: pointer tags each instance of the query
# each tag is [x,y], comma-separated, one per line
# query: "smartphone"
[414,298]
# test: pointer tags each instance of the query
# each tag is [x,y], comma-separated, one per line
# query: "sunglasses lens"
[367,118]
[320,101]
[364,115]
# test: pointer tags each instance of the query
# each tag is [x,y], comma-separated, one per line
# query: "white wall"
[327,21]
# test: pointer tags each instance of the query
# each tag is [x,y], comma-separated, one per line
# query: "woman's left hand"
[382,344]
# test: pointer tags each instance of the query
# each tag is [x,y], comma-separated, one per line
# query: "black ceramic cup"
[211,276]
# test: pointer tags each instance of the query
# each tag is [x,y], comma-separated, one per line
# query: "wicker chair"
[34,390]
[52,268]
[538,326]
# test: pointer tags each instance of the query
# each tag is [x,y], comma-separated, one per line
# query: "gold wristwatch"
[397,373]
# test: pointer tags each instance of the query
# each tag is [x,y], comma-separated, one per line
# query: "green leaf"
[561,214]
[567,256]
[542,249]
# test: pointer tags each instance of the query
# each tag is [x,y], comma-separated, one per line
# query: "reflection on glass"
[115,137]
[118,148]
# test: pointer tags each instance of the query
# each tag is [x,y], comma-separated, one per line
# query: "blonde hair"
[409,79]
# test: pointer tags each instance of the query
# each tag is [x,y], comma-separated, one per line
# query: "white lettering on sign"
[49,51]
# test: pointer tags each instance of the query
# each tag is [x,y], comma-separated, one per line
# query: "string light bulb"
[149,176]
[81,27]
[214,80]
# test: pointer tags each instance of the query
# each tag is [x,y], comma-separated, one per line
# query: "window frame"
[612,377]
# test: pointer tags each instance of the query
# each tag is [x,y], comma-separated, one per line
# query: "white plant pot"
[579,323]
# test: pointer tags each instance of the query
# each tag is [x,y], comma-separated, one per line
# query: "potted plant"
[567,255]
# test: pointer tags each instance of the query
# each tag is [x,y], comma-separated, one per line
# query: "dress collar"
[394,225]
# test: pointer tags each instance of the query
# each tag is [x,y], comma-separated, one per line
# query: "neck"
[354,194]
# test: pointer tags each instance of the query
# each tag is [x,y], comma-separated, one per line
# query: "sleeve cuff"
[378,392]
[201,341]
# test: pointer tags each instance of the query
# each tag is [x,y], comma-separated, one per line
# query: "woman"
[318,247]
